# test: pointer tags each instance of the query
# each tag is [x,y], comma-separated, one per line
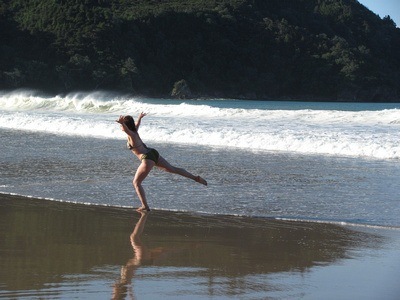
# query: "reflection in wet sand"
[142,256]
[54,248]
[121,289]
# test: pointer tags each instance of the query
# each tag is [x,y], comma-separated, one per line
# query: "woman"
[149,158]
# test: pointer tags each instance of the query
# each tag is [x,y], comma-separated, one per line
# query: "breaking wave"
[362,133]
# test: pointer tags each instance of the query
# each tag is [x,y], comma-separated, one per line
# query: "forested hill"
[265,49]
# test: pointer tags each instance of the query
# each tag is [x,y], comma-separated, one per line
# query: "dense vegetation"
[280,49]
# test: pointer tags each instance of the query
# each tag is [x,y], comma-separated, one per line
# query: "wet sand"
[61,250]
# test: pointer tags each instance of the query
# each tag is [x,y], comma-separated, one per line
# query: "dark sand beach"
[55,250]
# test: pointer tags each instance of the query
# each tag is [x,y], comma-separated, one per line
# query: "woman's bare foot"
[143,209]
[201,180]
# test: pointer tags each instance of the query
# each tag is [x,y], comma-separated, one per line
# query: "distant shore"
[127,94]
[230,48]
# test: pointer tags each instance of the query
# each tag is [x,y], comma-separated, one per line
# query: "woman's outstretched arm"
[139,119]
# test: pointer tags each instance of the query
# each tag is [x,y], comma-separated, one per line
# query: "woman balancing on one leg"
[149,158]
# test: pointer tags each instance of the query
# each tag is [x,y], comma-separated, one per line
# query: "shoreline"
[131,209]
[57,249]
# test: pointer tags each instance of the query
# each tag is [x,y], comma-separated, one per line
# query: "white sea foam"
[373,133]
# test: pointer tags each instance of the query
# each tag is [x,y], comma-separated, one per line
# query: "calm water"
[330,162]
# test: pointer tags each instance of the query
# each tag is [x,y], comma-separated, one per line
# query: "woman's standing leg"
[166,166]
[141,173]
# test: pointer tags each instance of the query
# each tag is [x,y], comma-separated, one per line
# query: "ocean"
[311,161]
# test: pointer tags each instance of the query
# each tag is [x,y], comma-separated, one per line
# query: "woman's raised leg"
[166,166]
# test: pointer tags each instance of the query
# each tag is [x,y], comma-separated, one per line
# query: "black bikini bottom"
[152,154]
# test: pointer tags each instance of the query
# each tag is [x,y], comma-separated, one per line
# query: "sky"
[384,8]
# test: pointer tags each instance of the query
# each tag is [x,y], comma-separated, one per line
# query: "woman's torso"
[137,146]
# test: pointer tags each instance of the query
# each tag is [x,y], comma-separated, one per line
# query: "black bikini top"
[130,147]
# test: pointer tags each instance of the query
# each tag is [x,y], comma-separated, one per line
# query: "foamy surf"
[366,133]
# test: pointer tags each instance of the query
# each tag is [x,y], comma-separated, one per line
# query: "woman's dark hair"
[130,123]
